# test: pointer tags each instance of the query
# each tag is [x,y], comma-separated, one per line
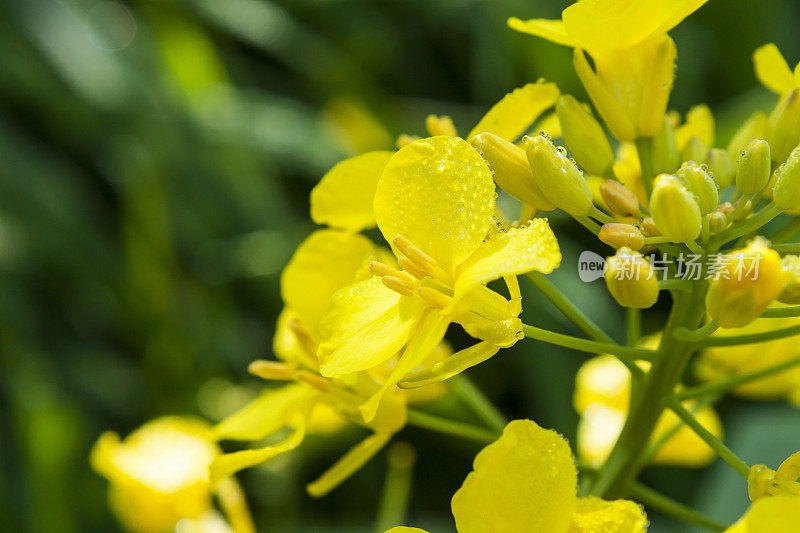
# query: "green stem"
[582,345]
[465,389]
[599,215]
[732,382]
[393,506]
[689,335]
[723,451]
[633,323]
[450,427]
[740,207]
[783,249]
[746,226]
[675,284]
[656,445]
[588,223]
[567,307]
[670,507]
[786,232]
[695,248]
[753,338]
[782,312]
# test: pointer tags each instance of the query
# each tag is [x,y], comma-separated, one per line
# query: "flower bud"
[721,167]
[675,210]
[754,128]
[631,280]
[649,227]
[791,268]
[717,222]
[665,156]
[559,179]
[585,138]
[746,282]
[695,150]
[619,199]
[784,124]
[622,235]
[698,182]
[753,172]
[726,208]
[512,172]
[786,192]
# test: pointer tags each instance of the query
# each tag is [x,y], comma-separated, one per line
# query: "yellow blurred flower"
[772,70]
[632,53]
[779,514]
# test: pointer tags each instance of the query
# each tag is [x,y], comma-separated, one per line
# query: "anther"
[272,370]
[408,266]
[398,285]
[434,297]
[442,125]
[315,380]
[302,335]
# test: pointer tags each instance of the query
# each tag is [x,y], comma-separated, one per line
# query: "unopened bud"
[721,167]
[665,156]
[512,172]
[584,136]
[754,128]
[440,125]
[786,192]
[630,279]
[726,208]
[559,179]
[717,222]
[695,150]
[698,182]
[650,228]
[747,282]
[784,123]
[619,199]
[622,235]
[791,268]
[675,210]
[753,172]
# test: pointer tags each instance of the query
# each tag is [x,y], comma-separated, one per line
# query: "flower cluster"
[361,339]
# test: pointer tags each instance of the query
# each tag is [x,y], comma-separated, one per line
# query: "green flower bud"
[695,150]
[786,192]
[721,167]
[791,268]
[675,210]
[754,128]
[717,222]
[665,156]
[619,199]
[747,281]
[585,138]
[631,280]
[753,172]
[512,172]
[784,124]
[559,179]
[622,235]
[698,182]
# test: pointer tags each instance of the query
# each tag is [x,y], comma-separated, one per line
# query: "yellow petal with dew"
[772,70]
[348,464]
[513,115]
[595,515]
[454,364]
[365,325]
[439,194]
[343,198]
[552,30]
[525,480]
[324,263]
[272,410]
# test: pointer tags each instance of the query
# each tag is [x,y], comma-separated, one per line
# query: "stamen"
[399,285]
[315,380]
[302,335]
[434,297]
[382,269]
[407,265]
[272,370]
[404,140]
[442,125]
[422,261]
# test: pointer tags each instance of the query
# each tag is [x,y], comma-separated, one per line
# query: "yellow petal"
[614,115]
[271,411]
[287,346]
[604,380]
[595,515]
[513,115]
[343,198]
[772,70]
[699,123]
[685,448]
[230,463]
[776,514]
[524,481]
[516,251]
[487,315]
[439,194]
[365,325]
[455,364]
[324,263]
[552,30]
[348,464]
[429,333]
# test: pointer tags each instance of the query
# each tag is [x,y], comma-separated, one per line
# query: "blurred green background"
[155,163]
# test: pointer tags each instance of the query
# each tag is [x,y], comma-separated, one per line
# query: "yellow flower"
[324,263]
[724,362]
[764,481]
[435,202]
[772,70]
[602,394]
[633,56]
[527,481]
[159,478]
[779,514]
